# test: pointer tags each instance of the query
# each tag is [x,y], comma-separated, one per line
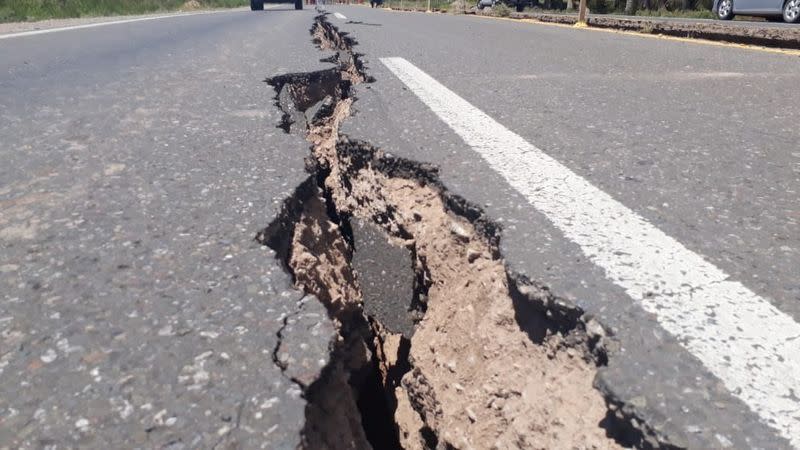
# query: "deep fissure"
[491,358]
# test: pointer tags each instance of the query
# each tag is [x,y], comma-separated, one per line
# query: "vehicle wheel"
[256,5]
[725,9]
[791,11]
[298,4]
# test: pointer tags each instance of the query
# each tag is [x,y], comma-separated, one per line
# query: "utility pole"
[582,13]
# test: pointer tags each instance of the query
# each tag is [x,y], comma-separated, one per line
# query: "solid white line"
[340,16]
[102,24]
[740,337]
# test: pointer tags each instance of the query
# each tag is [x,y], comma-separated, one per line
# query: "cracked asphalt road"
[141,159]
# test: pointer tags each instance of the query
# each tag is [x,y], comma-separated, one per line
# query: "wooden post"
[582,13]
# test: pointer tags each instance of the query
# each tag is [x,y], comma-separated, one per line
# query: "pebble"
[594,329]
[723,441]
[472,417]
[82,424]
[49,356]
[472,255]
[459,231]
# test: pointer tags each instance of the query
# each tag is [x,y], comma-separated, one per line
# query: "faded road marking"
[740,337]
[340,16]
[102,24]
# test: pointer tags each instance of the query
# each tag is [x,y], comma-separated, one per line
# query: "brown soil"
[473,378]
[319,261]
[191,5]
[478,380]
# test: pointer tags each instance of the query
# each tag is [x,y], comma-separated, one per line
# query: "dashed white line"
[751,346]
[102,24]
[340,16]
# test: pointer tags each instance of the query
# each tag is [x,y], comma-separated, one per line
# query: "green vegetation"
[24,10]
[661,8]
[501,10]
[700,9]
[418,5]
[684,13]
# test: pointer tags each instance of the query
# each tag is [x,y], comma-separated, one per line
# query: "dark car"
[771,9]
[258,5]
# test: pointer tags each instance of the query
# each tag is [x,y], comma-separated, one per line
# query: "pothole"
[438,345]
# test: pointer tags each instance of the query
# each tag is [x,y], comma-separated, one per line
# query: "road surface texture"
[650,185]
[139,162]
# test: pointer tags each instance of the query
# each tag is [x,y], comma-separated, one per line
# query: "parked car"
[486,3]
[258,5]
[771,9]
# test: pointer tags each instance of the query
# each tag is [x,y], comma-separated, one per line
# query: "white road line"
[740,337]
[102,24]
[340,16]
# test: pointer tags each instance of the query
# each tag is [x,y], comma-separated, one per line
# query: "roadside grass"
[501,10]
[30,10]
[418,5]
[683,14]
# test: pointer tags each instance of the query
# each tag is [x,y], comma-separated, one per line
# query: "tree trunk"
[631,6]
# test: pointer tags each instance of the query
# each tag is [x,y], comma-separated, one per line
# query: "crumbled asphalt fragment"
[493,360]
[386,276]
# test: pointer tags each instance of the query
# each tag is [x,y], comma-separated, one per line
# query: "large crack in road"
[470,355]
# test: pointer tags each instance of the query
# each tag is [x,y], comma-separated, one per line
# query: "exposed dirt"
[319,260]
[191,5]
[494,362]
[477,379]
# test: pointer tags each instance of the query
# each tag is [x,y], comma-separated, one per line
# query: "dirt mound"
[191,5]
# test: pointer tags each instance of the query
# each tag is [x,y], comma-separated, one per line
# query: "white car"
[789,9]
